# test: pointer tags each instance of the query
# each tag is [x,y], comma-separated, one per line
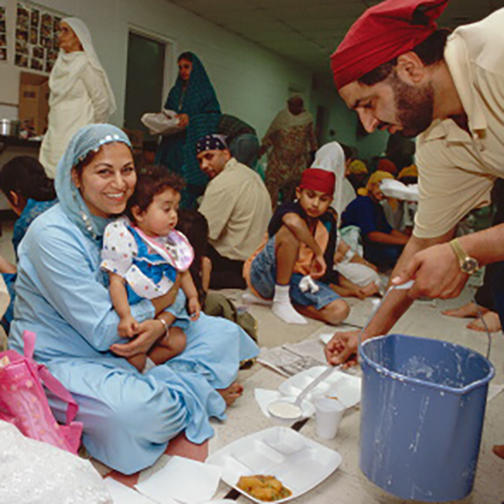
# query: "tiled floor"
[347,485]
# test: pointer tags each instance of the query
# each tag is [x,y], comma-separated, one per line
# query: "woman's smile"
[108,180]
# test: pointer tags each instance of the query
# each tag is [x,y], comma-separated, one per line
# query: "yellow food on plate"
[265,488]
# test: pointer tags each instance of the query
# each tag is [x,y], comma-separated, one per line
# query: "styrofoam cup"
[328,414]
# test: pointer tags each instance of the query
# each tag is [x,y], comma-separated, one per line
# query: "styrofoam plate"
[345,387]
[298,462]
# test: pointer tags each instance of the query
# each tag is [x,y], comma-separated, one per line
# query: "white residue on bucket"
[415,367]
[424,406]
[384,425]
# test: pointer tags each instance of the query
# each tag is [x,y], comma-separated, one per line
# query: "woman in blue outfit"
[128,417]
[29,193]
[193,98]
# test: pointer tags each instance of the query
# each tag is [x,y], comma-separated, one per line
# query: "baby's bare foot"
[231,393]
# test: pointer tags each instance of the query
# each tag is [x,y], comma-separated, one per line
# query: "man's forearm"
[487,246]
[398,302]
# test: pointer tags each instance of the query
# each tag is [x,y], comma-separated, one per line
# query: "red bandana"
[382,33]
[318,180]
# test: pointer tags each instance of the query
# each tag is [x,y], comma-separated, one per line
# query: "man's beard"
[415,107]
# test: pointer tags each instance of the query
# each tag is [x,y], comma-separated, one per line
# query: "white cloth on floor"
[358,273]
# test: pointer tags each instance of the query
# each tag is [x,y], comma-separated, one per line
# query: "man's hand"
[342,348]
[436,272]
[149,331]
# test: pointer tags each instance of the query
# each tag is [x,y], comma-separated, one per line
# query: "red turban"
[318,180]
[382,33]
[387,165]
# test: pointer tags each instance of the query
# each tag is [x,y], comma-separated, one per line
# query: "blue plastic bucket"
[422,409]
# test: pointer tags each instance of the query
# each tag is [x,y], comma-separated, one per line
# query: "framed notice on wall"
[36,40]
[3,31]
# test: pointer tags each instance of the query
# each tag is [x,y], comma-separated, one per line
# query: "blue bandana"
[211,142]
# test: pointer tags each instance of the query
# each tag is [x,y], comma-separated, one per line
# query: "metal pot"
[9,127]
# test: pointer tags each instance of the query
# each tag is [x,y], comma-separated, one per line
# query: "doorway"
[145,73]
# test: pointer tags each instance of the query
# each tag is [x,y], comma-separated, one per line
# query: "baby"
[145,256]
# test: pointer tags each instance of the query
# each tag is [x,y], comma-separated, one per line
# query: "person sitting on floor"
[237,207]
[353,275]
[358,173]
[195,227]
[29,192]
[301,242]
[128,417]
[382,244]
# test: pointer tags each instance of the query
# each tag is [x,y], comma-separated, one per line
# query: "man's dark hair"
[430,51]
[152,180]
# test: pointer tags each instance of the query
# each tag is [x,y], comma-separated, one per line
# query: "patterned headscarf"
[211,142]
[87,139]
[200,103]
[199,96]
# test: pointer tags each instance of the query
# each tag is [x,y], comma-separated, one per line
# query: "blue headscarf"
[87,139]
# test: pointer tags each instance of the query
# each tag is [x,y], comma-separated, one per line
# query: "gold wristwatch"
[467,263]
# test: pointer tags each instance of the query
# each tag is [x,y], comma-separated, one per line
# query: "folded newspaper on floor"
[292,358]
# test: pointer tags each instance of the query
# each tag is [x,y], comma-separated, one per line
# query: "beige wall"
[250,82]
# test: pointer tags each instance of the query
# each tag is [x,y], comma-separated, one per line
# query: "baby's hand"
[194,308]
[128,327]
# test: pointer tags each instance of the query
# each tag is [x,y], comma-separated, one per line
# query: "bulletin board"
[3,31]
[36,40]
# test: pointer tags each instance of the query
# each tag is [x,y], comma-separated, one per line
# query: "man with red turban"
[400,73]
[294,264]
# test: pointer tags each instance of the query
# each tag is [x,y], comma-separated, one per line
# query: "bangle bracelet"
[165,325]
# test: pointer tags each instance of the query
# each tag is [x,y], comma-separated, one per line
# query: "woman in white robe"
[80,92]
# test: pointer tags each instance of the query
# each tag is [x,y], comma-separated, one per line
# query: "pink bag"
[23,401]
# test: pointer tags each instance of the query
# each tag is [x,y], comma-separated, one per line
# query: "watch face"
[470,265]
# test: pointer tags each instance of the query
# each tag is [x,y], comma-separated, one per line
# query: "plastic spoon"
[287,410]
[284,409]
